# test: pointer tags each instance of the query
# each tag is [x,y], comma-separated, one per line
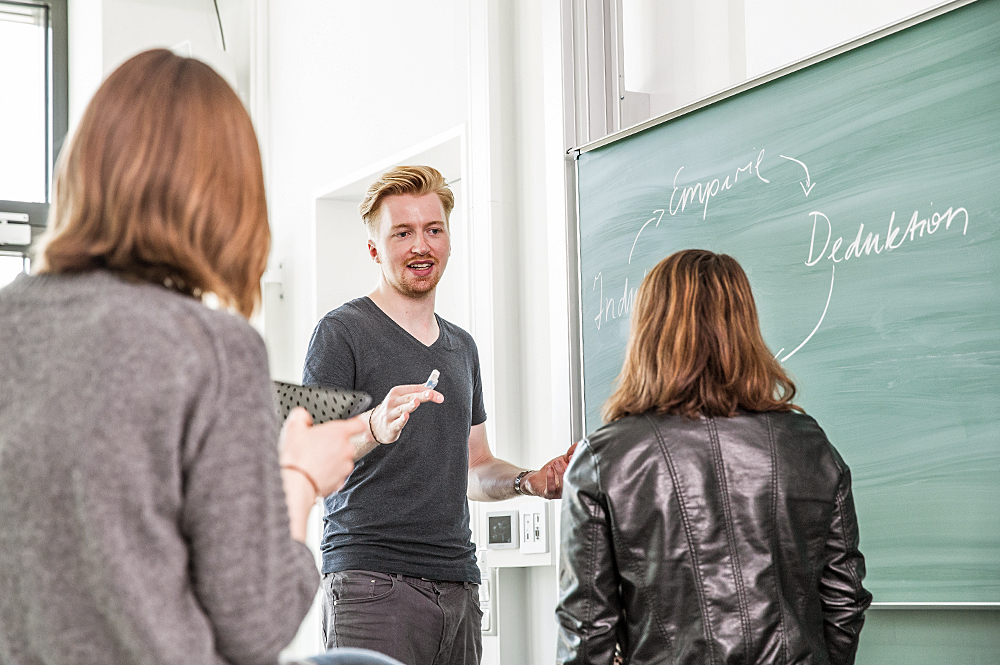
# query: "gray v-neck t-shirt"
[404,508]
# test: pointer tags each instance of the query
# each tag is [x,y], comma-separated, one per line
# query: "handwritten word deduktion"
[873,241]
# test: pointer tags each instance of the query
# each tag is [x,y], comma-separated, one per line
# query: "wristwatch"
[517,482]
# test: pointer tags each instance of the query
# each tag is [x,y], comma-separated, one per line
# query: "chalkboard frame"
[578,314]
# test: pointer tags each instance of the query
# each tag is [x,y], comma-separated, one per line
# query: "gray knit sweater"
[142,517]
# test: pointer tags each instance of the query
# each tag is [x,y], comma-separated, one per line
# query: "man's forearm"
[492,480]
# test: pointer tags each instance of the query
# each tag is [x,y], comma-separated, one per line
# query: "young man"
[399,566]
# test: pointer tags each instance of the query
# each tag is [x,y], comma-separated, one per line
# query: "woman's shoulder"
[631,430]
[609,432]
[799,435]
[613,456]
[168,322]
[224,334]
[795,423]
[193,320]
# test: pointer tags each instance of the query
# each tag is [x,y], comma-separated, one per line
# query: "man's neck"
[414,315]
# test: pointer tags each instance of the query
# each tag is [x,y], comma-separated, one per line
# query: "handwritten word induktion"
[873,241]
[611,308]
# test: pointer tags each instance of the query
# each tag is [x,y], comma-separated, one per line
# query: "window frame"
[57,109]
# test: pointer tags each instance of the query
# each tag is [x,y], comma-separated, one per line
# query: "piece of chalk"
[432,380]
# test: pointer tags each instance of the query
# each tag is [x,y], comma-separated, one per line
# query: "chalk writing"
[833,273]
[873,241]
[705,192]
[805,189]
[833,249]
[611,308]
[657,218]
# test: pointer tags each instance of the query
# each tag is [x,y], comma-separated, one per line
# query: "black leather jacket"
[717,540]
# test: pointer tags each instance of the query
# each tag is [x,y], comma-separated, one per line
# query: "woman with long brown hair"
[146,513]
[710,520]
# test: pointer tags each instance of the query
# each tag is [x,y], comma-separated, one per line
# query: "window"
[22,116]
[33,119]
[11,265]
[634,60]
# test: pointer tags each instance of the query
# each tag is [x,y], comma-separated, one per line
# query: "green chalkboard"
[861,193]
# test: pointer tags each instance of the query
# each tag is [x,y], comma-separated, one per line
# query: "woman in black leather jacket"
[710,521]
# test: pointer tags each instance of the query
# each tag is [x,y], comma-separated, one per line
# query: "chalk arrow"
[805,189]
[833,273]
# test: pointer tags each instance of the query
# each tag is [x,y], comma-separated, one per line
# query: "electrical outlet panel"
[519,536]
[535,529]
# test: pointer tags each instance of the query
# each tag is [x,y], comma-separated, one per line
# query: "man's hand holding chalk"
[386,421]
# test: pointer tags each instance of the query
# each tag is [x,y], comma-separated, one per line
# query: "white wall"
[86,54]
[105,33]
[189,26]
[780,32]
[677,52]
[350,83]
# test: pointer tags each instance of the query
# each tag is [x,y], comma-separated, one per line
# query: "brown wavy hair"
[162,182]
[695,346]
[414,180]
